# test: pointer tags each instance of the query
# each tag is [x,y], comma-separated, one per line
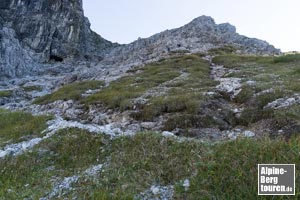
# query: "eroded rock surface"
[200,35]
[35,32]
[34,35]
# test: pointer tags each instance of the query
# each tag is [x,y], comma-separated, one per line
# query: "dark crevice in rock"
[56,58]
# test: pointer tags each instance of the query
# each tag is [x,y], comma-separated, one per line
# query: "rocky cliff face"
[200,35]
[33,32]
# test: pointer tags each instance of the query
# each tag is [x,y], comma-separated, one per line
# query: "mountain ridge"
[200,35]
[33,34]
[186,113]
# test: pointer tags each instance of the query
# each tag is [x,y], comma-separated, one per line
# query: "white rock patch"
[231,86]
[59,124]
[186,184]
[157,192]
[61,188]
[65,185]
[234,134]
[19,148]
[168,134]
[284,102]
[108,129]
[249,134]
[217,71]
[94,170]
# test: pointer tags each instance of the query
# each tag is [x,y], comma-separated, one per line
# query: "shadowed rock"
[34,32]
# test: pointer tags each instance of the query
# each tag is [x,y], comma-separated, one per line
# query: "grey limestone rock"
[200,35]
[33,32]
[14,59]
[35,35]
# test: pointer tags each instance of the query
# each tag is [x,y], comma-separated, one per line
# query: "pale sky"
[123,21]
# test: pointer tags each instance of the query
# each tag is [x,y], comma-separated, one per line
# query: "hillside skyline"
[126,21]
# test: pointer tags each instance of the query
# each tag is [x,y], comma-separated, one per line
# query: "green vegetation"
[222,50]
[177,102]
[32,174]
[70,92]
[179,52]
[287,58]
[237,61]
[174,88]
[246,94]
[17,126]
[275,77]
[143,160]
[120,93]
[230,170]
[32,88]
[133,164]
[5,93]
[292,112]
[184,96]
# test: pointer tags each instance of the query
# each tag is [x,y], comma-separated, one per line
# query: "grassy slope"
[221,171]
[281,74]
[32,174]
[19,126]
[183,98]
[121,92]
[184,101]
[72,91]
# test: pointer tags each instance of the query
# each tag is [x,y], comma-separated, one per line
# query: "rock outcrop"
[15,60]
[200,35]
[34,32]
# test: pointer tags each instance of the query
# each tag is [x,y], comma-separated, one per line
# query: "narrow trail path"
[231,86]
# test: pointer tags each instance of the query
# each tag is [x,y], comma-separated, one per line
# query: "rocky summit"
[200,35]
[187,113]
